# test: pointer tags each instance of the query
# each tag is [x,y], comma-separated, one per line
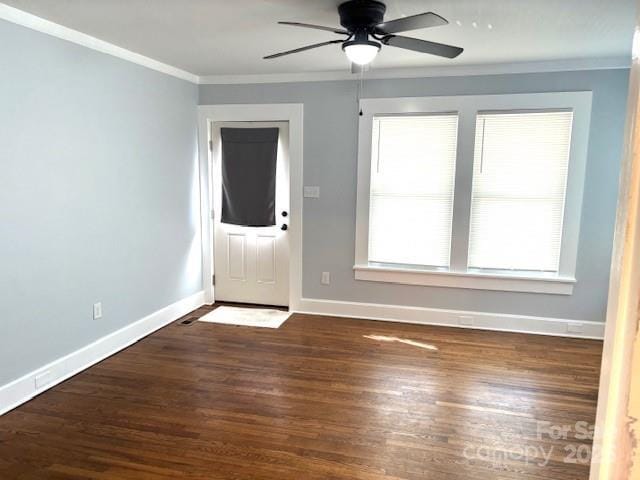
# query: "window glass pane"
[412,183]
[521,162]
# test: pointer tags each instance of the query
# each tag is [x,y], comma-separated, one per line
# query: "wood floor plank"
[320,398]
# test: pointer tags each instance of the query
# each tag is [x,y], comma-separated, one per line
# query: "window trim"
[468,106]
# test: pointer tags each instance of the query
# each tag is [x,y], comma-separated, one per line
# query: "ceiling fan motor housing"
[359,15]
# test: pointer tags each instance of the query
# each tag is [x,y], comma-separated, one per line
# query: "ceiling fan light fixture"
[361,52]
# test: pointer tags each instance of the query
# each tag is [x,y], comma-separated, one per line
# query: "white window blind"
[520,171]
[412,186]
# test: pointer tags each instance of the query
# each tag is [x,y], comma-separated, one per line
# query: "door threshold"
[249,305]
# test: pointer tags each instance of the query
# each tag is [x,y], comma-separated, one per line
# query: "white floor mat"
[248,317]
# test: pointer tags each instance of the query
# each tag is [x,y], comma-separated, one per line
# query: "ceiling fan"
[366,31]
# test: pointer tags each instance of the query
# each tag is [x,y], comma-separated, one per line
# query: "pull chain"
[359,91]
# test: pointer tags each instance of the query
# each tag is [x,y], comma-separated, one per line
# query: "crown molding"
[39,24]
[425,72]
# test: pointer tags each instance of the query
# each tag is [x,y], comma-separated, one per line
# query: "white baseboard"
[24,388]
[455,318]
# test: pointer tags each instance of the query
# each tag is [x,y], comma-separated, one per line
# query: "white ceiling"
[230,37]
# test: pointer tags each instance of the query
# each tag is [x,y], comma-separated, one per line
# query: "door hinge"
[213,214]
[213,280]
[211,145]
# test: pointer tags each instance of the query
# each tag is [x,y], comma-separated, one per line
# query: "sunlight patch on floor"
[406,341]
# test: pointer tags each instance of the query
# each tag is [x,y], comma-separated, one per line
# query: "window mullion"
[462,196]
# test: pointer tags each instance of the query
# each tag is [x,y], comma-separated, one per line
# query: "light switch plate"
[326,278]
[97,310]
[311,192]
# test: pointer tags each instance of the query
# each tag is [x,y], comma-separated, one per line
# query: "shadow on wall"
[191,278]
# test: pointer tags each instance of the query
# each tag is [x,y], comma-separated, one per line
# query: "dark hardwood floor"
[313,400]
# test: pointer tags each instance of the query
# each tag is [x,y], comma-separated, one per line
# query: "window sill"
[506,282]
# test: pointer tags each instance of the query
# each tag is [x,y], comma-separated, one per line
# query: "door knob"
[284,226]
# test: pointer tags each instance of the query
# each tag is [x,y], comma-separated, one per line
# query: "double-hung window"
[477,192]
[412,200]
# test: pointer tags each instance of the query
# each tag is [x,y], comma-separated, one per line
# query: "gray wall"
[330,149]
[98,196]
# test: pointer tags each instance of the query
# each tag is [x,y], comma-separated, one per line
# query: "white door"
[251,264]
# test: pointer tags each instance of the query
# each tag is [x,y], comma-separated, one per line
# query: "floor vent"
[188,321]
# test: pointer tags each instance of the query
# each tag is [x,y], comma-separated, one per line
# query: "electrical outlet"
[43,379]
[466,320]
[97,310]
[326,278]
[575,327]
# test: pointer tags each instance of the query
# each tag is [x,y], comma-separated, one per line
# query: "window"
[413,165]
[520,170]
[477,192]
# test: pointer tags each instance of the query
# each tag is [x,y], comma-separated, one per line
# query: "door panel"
[251,264]
[266,264]
[236,256]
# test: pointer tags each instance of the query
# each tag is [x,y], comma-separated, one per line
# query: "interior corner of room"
[418,221]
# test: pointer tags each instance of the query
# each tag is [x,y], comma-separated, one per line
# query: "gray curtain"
[249,176]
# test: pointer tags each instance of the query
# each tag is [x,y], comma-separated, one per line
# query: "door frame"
[293,113]
[616,449]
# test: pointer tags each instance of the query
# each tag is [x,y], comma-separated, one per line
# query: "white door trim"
[616,449]
[287,112]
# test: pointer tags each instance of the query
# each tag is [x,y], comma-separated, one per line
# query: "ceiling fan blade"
[414,22]
[301,49]
[316,27]
[423,46]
